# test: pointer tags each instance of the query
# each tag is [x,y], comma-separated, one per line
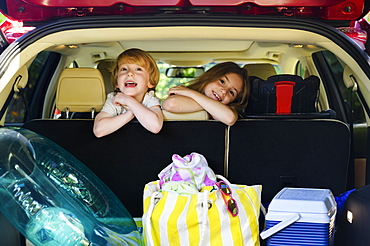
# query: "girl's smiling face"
[133,80]
[225,89]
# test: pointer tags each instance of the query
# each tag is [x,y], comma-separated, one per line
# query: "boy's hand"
[122,99]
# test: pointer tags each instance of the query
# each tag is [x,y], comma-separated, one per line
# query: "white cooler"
[301,216]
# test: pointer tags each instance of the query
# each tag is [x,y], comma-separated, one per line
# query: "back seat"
[9,234]
[289,153]
[274,153]
[132,156]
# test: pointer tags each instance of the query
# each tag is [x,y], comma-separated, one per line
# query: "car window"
[18,109]
[337,68]
[165,83]
[300,70]
[354,104]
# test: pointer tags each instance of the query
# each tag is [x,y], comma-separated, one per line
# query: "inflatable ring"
[53,199]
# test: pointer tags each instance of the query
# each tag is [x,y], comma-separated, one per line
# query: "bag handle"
[153,201]
[280,226]
[204,217]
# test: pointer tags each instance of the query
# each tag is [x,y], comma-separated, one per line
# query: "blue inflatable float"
[54,200]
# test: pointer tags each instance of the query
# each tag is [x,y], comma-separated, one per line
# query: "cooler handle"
[278,227]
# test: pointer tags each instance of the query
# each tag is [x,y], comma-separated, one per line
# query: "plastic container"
[301,216]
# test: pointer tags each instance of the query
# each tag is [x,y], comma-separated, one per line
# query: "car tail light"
[358,31]
[356,34]
[364,25]
[13,29]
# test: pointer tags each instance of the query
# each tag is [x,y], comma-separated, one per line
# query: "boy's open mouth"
[130,84]
[217,97]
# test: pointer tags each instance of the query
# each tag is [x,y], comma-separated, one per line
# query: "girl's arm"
[185,100]
[180,104]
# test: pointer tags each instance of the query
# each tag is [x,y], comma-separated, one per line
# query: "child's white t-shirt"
[149,100]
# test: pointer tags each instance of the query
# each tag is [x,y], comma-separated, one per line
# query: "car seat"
[260,70]
[199,115]
[285,95]
[105,67]
[80,90]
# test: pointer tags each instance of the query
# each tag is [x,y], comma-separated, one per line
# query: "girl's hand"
[181,90]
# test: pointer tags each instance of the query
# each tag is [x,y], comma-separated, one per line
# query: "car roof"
[181,41]
[40,11]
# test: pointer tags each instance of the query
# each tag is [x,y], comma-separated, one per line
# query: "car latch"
[80,12]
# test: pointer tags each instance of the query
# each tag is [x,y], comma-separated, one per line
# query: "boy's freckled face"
[133,80]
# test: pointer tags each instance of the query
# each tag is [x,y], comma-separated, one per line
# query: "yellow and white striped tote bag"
[201,219]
